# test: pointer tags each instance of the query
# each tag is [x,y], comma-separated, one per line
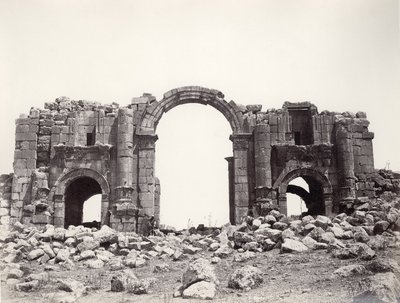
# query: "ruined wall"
[5,200]
[115,147]
[332,149]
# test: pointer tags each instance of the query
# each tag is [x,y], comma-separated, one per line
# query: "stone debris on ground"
[357,234]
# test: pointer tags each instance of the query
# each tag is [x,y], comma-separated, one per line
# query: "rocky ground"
[349,258]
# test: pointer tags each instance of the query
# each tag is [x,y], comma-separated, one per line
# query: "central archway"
[146,132]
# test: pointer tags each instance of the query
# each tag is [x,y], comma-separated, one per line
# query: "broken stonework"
[71,150]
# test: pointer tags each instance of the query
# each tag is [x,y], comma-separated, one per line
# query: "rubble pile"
[373,225]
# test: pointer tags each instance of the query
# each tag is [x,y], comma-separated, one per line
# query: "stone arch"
[146,133]
[314,178]
[191,94]
[57,193]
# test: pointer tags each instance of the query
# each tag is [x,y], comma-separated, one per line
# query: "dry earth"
[301,277]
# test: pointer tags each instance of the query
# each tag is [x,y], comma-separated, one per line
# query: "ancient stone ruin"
[72,150]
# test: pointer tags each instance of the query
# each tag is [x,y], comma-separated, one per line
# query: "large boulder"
[357,250]
[316,233]
[35,254]
[246,278]
[106,235]
[380,227]
[273,234]
[120,280]
[360,235]
[322,221]
[200,290]
[223,251]
[242,257]
[382,288]
[309,242]
[350,270]
[240,238]
[27,286]
[383,265]
[139,287]
[198,270]
[71,285]
[290,245]
[88,244]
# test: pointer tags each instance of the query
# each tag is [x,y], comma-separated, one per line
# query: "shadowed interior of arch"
[310,192]
[79,191]
[193,142]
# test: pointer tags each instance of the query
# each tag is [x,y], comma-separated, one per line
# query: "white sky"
[339,54]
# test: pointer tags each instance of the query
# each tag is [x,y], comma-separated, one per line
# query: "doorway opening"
[77,194]
[191,166]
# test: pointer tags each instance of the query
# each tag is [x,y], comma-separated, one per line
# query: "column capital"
[147,141]
[241,140]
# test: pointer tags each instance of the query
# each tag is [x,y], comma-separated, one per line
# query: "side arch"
[191,94]
[311,176]
[57,193]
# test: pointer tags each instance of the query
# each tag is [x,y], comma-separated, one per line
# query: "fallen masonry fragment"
[121,253]
[72,150]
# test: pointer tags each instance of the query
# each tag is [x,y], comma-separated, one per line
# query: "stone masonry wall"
[116,148]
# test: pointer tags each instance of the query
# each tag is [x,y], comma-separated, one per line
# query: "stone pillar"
[124,190]
[124,213]
[146,179]
[105,218]
[282,200]
[345,158]
[328,204]
[231,185]
[25,156]
[262,155]
[241,182]
[157,201]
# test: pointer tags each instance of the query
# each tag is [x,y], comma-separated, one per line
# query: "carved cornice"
[241,141]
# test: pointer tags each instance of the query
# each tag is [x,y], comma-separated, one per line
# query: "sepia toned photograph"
[200,151]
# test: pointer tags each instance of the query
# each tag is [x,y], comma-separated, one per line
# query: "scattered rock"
[15,273]
[245,278]
[120,280]
[360,235]
[27,286]
[35,254]
[200,290]
[161,268]
[384,287]
[223,252]
[350,270]
[71,285]
[290,245]
[380,227]
[198,270]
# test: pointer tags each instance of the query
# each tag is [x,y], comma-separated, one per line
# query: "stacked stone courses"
[113,149]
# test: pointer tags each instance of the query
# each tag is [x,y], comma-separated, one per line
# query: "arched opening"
[77,192]
[296,194]
[92,209]
[318,197]
[190,163]
[313,197]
